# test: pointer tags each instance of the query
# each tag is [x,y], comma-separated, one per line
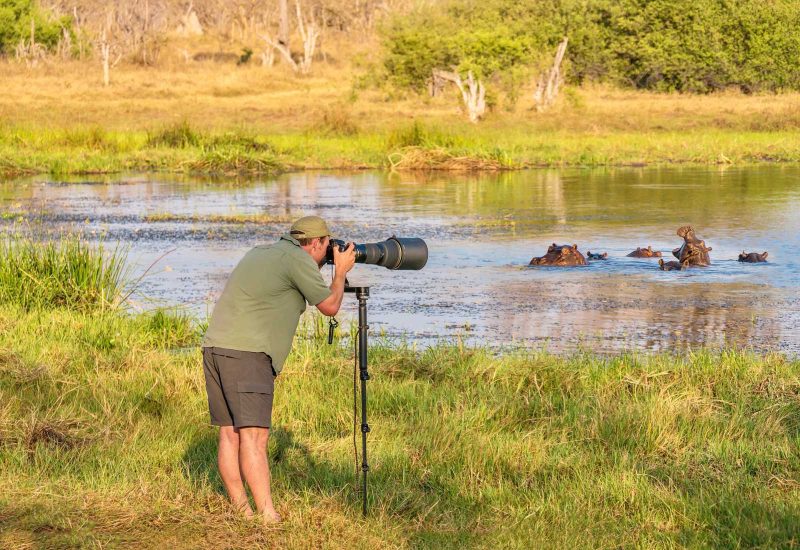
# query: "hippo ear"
[709,249]
[764,255]
[605,255]
[650,248]
[575,247]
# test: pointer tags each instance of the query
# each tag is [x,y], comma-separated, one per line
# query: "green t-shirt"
[263,299]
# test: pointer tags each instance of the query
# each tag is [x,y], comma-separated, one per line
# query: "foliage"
[650,44]
[15,25]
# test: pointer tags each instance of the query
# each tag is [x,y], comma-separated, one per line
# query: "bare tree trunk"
[105,56]
[310,33]
[472,92]
[550,81]
[283,23]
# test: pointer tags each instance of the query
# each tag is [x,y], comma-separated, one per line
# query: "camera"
[393,253]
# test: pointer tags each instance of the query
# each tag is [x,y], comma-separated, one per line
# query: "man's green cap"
[309,227]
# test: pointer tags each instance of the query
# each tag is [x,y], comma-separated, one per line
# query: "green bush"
[15,25]
[650,44]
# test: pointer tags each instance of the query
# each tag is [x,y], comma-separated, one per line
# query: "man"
[248,338]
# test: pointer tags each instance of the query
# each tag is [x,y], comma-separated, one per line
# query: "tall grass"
[65,272]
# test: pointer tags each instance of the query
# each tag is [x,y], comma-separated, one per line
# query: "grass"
[64,272]
[177,119]
[104,441]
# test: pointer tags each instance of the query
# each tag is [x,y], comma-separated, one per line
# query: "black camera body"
[393,253]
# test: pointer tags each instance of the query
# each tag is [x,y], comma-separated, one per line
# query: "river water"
[482,231]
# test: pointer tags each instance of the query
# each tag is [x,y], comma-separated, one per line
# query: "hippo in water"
[752,257]
[560,255]
[693,249]
[645,253]
[598,256]
[673,265]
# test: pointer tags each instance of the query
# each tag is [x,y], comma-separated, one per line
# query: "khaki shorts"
[240,385]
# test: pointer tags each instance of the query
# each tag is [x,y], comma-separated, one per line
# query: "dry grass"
[218,96]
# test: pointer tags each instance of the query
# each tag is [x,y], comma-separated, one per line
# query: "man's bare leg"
[253,462]
[228,461]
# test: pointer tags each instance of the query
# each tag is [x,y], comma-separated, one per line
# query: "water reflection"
[482,230]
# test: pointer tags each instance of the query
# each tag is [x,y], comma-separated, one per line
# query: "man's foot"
[272,517]
[243,508]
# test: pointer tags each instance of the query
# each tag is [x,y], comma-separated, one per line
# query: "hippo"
[693,249]
[752,257]
[560,255]
[598,256]
[673,265]
[645,253]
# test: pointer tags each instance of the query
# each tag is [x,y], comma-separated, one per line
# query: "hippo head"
[596,256]
[645,253]
[753,257]
[560,255]
[693,249]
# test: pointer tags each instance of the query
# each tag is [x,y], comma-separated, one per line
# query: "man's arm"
[343,262]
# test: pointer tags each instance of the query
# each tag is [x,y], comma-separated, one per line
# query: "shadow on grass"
[291,463]
[407,495]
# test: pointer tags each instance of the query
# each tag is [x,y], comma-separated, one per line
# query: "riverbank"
[104,440]
[204,118]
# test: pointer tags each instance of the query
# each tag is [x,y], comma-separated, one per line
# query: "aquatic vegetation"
[64,272]
[261,218]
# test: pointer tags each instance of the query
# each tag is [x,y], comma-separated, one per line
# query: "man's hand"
[344,261]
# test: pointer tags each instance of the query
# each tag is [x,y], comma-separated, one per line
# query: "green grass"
[104,441]
[183,148]
[62,272]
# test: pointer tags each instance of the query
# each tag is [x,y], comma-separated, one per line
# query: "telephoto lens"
[394,253]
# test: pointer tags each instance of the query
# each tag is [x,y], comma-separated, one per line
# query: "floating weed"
[264,219]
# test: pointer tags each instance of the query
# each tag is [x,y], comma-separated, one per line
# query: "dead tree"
[472,91]
[283,23]
[438,81]
[30,52]
[106,51]
[309,31]
[550,81]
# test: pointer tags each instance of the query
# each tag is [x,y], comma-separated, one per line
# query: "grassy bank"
[205,118]
[104,441]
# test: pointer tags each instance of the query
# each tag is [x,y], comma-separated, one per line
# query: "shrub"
[15,25]
[650,44]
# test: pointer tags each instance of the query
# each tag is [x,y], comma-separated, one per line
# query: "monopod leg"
[362,295]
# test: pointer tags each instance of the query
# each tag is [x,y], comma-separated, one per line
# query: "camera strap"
[332,324]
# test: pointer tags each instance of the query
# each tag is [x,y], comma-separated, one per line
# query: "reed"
[66,271]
